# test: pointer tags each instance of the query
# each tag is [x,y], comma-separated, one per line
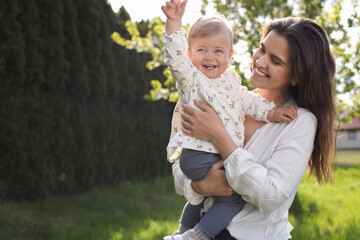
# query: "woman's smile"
[258,72]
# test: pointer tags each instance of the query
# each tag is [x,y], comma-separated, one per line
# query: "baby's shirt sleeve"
[175,56]
[256,106]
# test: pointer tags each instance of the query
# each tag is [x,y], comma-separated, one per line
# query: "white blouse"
[267,174]
[225,94]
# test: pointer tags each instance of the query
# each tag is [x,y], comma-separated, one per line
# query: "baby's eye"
[218,51]
[201,50]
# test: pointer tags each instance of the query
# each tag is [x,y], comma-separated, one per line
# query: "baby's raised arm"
[174,11]
[282,114]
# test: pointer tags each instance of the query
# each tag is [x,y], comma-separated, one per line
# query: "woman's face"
[272,64]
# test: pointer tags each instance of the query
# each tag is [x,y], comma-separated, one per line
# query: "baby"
[199,68]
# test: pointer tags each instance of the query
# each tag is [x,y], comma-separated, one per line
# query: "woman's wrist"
[224,144]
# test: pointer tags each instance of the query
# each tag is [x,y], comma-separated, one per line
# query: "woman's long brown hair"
[313,67]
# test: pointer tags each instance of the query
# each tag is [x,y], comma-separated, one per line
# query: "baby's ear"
[189,53]
[231,54]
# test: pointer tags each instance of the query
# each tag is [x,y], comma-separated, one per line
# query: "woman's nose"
[260,62]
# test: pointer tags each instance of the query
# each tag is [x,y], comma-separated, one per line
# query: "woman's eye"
[275,61]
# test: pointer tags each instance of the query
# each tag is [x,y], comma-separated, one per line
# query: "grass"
[346,159]
[129,211]
[331,211]
[150,210]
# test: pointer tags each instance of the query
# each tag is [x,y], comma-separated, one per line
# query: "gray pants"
[195,165]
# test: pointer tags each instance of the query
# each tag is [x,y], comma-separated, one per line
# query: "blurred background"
[85,111]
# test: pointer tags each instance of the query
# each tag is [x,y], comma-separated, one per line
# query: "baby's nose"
[209,56]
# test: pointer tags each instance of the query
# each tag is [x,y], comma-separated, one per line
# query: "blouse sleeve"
[175,56]
[268,185]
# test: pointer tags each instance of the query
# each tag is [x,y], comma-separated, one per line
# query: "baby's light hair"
[208,26]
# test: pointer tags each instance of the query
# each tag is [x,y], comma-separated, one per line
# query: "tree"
[248,18]
[72,110]
[12,75]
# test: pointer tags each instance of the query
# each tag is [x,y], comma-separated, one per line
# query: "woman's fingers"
[224,187]
[215,182]
[217,165]
[186,120]
[186,127]
[202,105]
[186,113]
[202,124]
[189,109]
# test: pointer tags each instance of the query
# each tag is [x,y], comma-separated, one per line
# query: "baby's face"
[211,55]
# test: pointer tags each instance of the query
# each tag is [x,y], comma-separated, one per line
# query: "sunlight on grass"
[116,236]
[150,230]
[155,230]
[330,211]
[151,210]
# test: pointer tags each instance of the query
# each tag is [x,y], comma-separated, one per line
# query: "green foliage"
[73,115]
[247,18]
[150,44]
[19,72]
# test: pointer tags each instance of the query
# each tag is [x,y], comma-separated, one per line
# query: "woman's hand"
[206,125]
[203,124]
[214,183]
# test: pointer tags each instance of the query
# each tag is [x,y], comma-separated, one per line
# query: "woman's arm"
[269,184]
[214,184]
[268,180]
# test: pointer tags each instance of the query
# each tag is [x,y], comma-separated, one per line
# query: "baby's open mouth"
[210,67]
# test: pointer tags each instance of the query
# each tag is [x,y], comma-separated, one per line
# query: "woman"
[292,66]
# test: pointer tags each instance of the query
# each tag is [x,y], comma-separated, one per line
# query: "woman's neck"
[280,98]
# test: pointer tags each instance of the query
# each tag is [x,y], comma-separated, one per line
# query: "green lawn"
[130,211]
[331,211]
[150,210]
[344,158]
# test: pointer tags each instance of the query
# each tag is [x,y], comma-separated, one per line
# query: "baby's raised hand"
[174,9]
